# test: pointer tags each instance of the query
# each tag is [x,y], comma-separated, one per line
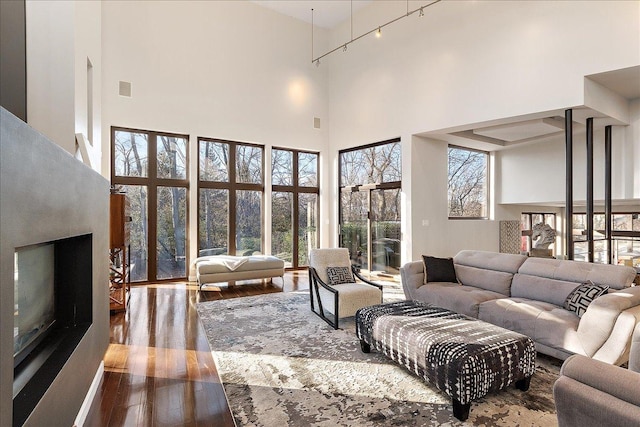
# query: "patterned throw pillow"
[580,298]
[338,275]
[438,269]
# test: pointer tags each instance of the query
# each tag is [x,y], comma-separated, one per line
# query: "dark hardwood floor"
[159,370]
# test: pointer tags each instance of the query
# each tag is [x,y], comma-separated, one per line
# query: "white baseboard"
[91,394]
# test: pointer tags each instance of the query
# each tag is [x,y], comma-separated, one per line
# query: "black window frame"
[296,189]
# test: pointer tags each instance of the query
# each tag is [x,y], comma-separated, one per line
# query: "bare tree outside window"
[214,161]
[370,182]
[281,167]
[152,168]
[294,206]
[307,169]
[467,183]
[248,164]
[171,207]
[230,191]
[131,154]
[371,165]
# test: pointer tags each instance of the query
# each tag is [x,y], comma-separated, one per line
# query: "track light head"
[317,62]
[344,49]
[379,33]
[421,12]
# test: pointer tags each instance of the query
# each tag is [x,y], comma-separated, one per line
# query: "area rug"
[281,365]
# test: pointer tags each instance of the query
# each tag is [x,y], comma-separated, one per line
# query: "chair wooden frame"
[315,282]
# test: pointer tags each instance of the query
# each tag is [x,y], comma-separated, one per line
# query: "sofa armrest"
[634,356]
[619,300]
[606,313]
[412,277]
[590,392]
[614,380]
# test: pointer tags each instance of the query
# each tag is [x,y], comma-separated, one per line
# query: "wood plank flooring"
[158,368]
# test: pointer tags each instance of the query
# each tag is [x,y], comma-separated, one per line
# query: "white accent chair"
[339,300]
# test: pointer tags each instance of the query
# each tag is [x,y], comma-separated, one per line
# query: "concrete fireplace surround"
[47,195]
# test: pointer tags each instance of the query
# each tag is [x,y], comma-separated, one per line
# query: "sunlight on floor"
[325,375]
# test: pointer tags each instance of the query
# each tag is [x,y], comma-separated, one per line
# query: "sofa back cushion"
[614,276]
[487,270]
[541,288]
[496,281]
[509,263]
[552,280]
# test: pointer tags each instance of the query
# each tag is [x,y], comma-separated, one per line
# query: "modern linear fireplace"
[54,280]
[34,298]
[53,310]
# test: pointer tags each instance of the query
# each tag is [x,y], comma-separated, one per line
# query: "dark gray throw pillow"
[580,298]
[338,275]
[439,269]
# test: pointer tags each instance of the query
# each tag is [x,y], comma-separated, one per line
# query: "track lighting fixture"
[377,31]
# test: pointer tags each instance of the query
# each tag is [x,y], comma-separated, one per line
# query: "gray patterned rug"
[281,365]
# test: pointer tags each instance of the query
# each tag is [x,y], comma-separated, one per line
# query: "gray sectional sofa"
[526,295]
[590,393]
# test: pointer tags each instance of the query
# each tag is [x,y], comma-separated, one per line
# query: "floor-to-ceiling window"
[294,205]
[152,168]
[230,197]
[369,206]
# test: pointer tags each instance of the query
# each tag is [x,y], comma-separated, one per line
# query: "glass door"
[370,228]
[385,231]
[354,226]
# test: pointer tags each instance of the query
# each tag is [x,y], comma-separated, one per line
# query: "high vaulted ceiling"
[489,136]
[326,13]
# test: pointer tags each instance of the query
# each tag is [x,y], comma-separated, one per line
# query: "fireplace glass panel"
[34,302]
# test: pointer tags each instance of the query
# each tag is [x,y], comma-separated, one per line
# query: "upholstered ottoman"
[464,357]
[226,268]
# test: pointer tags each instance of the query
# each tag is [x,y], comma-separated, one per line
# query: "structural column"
[590,189]
[568,131]
[607,193]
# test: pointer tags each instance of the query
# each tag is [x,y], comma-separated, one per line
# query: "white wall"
[432,232]
[61,35]
[50,70]
[630,161]
[468,62]
[88,46]
[221,69]
[536,173]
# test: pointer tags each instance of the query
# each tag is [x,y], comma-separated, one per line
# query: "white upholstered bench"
[227,268]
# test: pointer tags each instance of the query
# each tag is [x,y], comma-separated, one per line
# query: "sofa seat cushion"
[544,322]
[455,297]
